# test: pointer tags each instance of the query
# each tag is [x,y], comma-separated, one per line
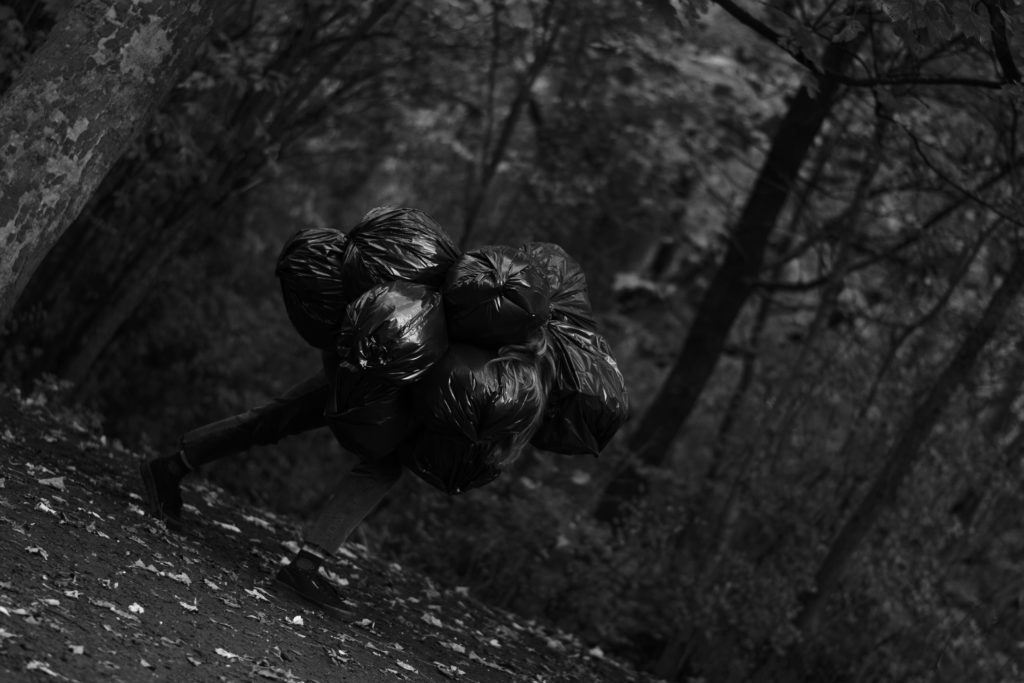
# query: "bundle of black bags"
[453,361]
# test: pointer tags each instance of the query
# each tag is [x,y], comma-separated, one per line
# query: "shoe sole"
[284,590]
[153,499]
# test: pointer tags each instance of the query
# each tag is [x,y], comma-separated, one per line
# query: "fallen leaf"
[76,649]
[136,608]
[55,482]
[147,567]
[297,620]
[407,667]
[258,521]
[432,620]
[45,507]
[227,527]
[331,576]
[36,550]
[93,530]
[493,642]
[449,670]
[596,652]
[193,607]
[193,660]
[224,653]
[143,662]
[257,593]
[36,665]
[347,553]
[211,585]
[113,608]
[73,594]
[454,647]
[50,602]
[180,578]
[4,634]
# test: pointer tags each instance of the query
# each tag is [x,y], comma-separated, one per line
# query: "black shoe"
[163,491]
[310,585]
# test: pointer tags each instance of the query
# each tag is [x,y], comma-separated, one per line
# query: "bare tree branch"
[760,28]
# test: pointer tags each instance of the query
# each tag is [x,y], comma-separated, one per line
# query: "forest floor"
[92,588]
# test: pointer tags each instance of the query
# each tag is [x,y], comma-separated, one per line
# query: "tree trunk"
[905,451]
[651,440]
[72,112]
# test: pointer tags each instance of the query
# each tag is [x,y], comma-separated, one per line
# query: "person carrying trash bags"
[444,364]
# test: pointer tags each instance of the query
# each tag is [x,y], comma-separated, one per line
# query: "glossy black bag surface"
[451,462]
[368,415]
[470,393]
[588,402]
[494,296]
[310,272]
[396,244]
[394,332]
[566,282]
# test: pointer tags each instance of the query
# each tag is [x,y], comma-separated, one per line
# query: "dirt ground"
[92,588]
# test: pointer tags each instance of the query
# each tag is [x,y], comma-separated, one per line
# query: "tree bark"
[71,113]
[905,451]
[651,440]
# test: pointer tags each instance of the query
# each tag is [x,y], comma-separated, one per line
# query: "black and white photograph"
[512,341]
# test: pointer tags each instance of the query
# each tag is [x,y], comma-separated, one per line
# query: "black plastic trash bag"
[310,270]
[394,332]
[567,284]
[451,462]
[587,402]
[493,296]
[368,415]
[396,244]
[470,393]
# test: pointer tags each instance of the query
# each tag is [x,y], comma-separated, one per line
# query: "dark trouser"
[299,409]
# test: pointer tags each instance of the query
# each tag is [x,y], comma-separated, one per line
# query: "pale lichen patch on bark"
[103,54]
[147,48]
[77,128]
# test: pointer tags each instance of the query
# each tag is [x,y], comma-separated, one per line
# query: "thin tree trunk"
[495,156]
[651,439]
[905,451]
[71,113]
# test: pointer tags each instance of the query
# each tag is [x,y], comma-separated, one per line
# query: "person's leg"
[299,409]
[356,495]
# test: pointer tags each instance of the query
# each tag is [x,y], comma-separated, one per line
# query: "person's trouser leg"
[299,409]
[355,497]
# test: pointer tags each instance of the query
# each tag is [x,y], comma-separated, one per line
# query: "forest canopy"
[800,222]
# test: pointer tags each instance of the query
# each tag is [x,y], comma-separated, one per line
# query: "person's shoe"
[162,483]
[309,585]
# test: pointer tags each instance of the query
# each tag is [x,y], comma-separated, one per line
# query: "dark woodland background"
[801,223]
